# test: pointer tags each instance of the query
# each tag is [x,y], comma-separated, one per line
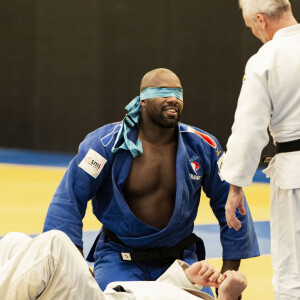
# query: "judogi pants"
[46,267]
[285,238]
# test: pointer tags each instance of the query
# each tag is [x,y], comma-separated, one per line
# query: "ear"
[143,103]
[261,21]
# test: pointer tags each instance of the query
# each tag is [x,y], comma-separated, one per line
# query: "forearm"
[64,215]
[224,297]
[230,265]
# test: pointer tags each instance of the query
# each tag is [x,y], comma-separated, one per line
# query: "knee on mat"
[56,234]
[57,238]
[16,237]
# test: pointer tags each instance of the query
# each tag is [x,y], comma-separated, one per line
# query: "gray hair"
[271,8]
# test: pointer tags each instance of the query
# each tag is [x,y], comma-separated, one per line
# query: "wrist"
[224,297]
[235,188]
[230,265]
[228,297]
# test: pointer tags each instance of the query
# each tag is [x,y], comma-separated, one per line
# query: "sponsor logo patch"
[92,163]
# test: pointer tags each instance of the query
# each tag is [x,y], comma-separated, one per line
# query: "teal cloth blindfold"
[133,116]
[153,92]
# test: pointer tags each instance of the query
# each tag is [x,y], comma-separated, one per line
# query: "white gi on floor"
[270,95]
[50,267]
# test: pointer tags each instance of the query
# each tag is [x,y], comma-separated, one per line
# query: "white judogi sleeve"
[270,96]
[175,275]
[173,284]
[249,131]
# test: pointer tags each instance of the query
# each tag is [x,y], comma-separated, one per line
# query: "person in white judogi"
[50,267]
[270,96]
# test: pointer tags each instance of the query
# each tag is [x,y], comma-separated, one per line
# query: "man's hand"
[235,200]
[233,285]
[229,265]
[203,273]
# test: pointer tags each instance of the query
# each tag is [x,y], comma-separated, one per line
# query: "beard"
[159,117]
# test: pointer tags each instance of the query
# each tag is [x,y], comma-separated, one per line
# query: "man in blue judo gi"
[144,176]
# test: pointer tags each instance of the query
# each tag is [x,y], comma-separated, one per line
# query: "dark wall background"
[70,66]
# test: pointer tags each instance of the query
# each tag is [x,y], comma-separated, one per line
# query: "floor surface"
[29,179]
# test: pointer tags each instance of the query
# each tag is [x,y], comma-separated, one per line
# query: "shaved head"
[160,78]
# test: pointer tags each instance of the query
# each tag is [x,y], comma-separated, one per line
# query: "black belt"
[159,254]
[288,146]
[283,148]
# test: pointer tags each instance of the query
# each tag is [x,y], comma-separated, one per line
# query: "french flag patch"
[204,136]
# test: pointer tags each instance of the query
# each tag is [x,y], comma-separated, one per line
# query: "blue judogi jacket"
[196,167]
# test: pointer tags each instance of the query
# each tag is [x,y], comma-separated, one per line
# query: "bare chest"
[153,171]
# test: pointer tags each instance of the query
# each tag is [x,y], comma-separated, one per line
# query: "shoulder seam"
[209,140]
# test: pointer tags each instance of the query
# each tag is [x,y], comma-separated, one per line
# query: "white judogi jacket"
[270,96]
[173,284]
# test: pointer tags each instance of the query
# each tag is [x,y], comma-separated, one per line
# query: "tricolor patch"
[195,166]
[204,136]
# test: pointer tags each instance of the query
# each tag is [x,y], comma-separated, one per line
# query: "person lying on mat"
[49,266]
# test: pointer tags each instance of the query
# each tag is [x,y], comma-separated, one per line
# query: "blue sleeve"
[85,174]
[236,244]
